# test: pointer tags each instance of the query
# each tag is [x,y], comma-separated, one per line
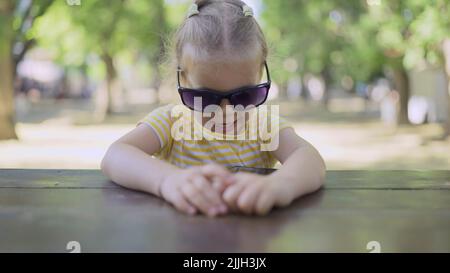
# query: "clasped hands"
[213,190]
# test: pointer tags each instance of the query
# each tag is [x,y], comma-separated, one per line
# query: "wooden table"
[404,211]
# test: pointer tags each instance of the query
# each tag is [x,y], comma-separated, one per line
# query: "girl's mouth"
[229,123]
[226,126]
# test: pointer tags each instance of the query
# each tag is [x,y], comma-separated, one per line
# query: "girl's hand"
[197,189]
[253,193]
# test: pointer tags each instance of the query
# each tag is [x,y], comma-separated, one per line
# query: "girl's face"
[221,76]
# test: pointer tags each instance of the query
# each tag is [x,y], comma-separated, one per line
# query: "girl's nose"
[224,103]
[228,114]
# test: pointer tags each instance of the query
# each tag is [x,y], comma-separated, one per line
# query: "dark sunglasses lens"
[251,96]
[189,98]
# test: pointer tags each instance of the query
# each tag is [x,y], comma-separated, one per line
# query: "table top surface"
[403,211]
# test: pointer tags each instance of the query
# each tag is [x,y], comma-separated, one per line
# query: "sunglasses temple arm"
[178,76]
[267,71]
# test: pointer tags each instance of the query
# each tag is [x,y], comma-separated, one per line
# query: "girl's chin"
[227,128]
[224,128]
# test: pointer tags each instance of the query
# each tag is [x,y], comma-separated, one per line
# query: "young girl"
[221,56]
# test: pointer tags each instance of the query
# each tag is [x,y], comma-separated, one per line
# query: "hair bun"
[248,11]
[193,10]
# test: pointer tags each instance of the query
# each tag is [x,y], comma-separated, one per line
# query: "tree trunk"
[114,95]
[446,53]
[401,82]
[157,58]
[327,79]
[282,90]
[7,109]
[111,75]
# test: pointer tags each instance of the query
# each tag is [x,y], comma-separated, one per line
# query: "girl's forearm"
[132,168]
[303,172]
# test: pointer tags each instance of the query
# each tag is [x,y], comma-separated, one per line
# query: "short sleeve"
[283,123]
[159,120]
[269,128]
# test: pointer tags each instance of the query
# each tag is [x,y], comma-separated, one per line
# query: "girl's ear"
[261,71]
[183,75]
[183,78]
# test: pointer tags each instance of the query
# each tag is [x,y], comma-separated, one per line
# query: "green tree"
[6,71]
[313,33]
[16,19]
[362,39]
[429,40]
[107,29]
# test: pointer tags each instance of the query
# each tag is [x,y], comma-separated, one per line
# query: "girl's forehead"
[222,75]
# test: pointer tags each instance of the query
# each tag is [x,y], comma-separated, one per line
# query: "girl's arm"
[128,162]
[303,169]
[302,172]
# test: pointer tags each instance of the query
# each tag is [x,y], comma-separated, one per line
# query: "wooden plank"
[116,219]
[64,179]
[390,179]
[30,178]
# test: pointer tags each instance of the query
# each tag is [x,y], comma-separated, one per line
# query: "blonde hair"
[220,30]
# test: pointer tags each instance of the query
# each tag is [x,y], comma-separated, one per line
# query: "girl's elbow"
[105,163]
[322,170]
[322,175]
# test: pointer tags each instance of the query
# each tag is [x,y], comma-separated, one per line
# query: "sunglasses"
[243,96]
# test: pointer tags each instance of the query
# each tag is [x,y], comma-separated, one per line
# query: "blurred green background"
[366,81]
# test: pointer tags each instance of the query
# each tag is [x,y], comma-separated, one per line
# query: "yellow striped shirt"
[208,147]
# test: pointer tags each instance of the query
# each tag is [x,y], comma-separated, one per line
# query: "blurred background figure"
[366,81]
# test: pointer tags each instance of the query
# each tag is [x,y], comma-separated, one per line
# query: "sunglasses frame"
[224,95]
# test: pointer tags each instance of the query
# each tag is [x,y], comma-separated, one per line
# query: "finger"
[265,202]
[231,194]
[219,185]
[212,195]
[247,199]
[215,170]
[195,197]
[180,203]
